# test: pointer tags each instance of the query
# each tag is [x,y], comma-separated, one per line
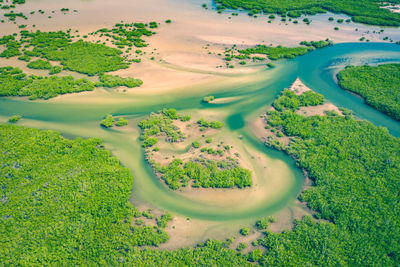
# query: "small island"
[186,154]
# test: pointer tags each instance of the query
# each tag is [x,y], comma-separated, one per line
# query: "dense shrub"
[203,173]
[115,81]
[13,82]
[378,85]
[368,11]
[355,168]
[68,198]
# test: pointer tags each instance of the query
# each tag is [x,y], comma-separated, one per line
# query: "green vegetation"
[368,11]
[39,64]
[13,82]
[153,25]
[202,172]
[12,15]
[273,53]
[161,123]
[87,58]
[55,70]
[80,56]
[241,246]
[317,44]
[121,122]
[355,168]
[163,220]
[116,81]
[288,99]
[212,124]
[186,117]
[110,121]
[127,34]
[378,85]
[208,99]
[42,65]
[11,51]
[245,231]
[279,52]
[67,197]
[196,144]
[25,58]
[14,119]
[264,223]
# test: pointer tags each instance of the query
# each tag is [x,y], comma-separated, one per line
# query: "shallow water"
[80,114]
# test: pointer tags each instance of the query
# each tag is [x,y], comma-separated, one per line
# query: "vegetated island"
[82,57]
[367,12]
[355,169]
[200,161]
[110,121]
[78,56]
[378,85]
[264,52]
[68,200]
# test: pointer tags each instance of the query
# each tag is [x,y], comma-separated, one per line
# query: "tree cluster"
[378,85]
[368,11]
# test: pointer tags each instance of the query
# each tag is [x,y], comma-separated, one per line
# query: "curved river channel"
[253,94]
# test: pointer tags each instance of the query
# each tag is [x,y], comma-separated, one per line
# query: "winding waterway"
[316,69]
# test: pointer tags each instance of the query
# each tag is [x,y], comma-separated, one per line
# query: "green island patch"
[279,52]
[40,64]
[265,52]
[127,34]
[111,81]
[368,11]
[201,160]
[109,121]
[79,56]
[14,118]
[89,58]
[378,85]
